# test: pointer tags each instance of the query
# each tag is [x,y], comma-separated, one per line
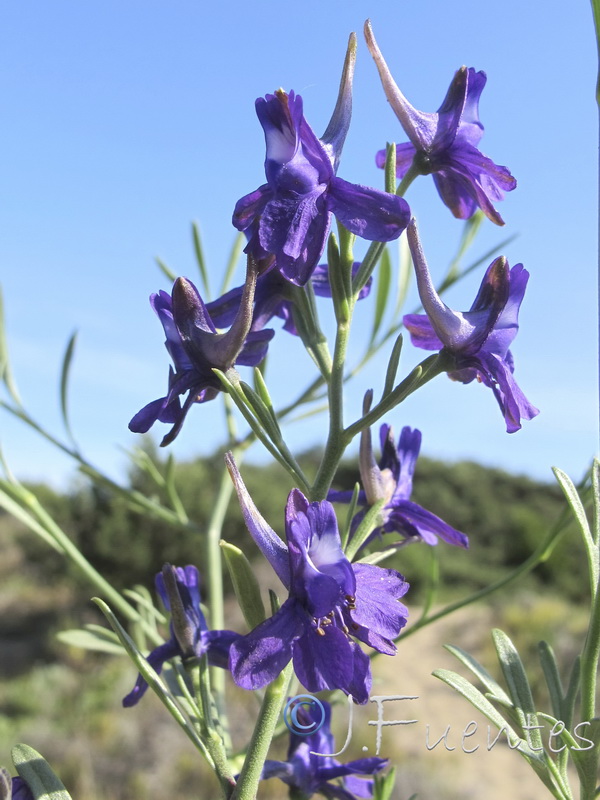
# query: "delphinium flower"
[329,601]
[274,298]
[310,769]
[477,341]
[391,481]
[287,219]
[445,144]
[197,348]
[179,590]
[13,788]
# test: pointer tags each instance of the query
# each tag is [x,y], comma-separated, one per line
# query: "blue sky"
[125,122]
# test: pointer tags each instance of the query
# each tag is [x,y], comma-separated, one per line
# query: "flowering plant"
[340,606]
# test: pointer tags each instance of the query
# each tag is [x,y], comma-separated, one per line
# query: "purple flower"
[179,589]
[288,218]
[478,340]
[329,601]
[196,349]
[445,144]
[391,480]
[14,788]
[274,298]
[309,767]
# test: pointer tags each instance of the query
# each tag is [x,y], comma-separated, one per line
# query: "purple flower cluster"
[330,600]
[310,767]
[445,144]
[179,590]
[391,480]
[478,340]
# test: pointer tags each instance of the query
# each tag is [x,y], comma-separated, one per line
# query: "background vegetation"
[103,751]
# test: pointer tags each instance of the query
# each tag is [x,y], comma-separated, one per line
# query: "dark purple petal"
[20,790]
[251,206]
[156,659]
[258,658]
[421,332]
[507,324]
[513,403]
[255,348]
[377,593]
[265,537]
[366,212]
[450,112]
[427,525]
[216,645]
[409,446]
[405,154]
[295,231]
[324,662]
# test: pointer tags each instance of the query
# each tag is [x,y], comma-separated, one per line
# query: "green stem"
[214,567]
[589,662]
[256,755]
[422,374]
[539,555]
[199,674]
[336,445]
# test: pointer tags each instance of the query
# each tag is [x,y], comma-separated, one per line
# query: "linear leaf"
[405,271]
[14,502]
[392,367]
[91,640]
[574,501]
[518,685]
[552,676]
[152,678]
[234,257]
[5,369]
[167,272]
[38,774]
[64,383]
[480,672]
[199,252]
[245,584]
[384,280]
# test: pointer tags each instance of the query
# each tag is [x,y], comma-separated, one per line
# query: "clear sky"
[123,122]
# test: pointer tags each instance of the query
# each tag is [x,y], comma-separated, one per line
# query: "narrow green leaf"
[552,676]
[518,685]
[405,271]
[481,703]
[470,229]
[370,521]
[168,273]
[107,642]
[13,499]
[390,167]
[480,672]
[574,501]
[263,392]
[5,369]
[384,785]
[234,257]
[392,367]
[350,515]
[152,678]
[64,383]
[384,281]
[38,774]
[596,494]
[245,585]
[199,252]
[262,413]
[143,600]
